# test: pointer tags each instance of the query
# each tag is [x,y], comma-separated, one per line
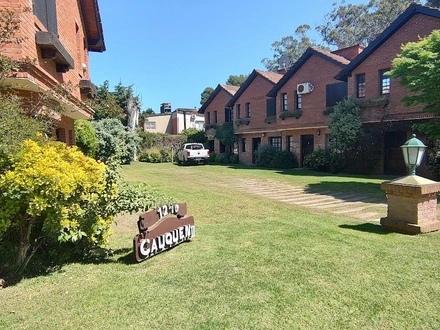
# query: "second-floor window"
[215,116]
[46,12]
[150,125]
[243,145]
[228,115]
[284,101]
[360,85]
[238,108]
[248,110]
[298,99]
[208,118]
[384,82]
[276,142]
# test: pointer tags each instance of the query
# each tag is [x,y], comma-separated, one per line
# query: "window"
[248,110]
[270,107]
[238,107]
[384,82]
[208,118]
[243,145]
[228,115]
[150,125]
[335,93]
[215,117]
[199,124]
[275,142]
[298,98]
[289,143]
[360,85]
[46,12]
[284,101]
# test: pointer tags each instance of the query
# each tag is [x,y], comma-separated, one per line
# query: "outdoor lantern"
[413,151]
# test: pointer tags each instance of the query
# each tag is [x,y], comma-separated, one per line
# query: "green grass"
[254,264]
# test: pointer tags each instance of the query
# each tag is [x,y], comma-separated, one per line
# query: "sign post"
[162,229]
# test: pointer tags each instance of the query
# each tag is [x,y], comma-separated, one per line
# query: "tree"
[206,94]
[345,129]
[144,115]
[418,69]
[347,25]
[433,3]
[105,104]
[115,141]
[292,46]
[194,135]
[237,80]
[225,134]
[85,137]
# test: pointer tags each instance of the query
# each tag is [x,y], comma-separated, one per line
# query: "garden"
[254,263]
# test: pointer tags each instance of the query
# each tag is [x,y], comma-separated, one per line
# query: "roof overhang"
[93,25]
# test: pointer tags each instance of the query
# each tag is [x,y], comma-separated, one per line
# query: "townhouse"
[249,106]
[57,36]
[216,113]
[291,111]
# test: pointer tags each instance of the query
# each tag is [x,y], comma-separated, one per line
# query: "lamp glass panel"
[413,153]
[421,152]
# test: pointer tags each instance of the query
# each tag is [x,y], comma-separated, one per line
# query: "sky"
[171,50]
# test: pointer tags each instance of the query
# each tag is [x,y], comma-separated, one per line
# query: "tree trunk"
[23,256]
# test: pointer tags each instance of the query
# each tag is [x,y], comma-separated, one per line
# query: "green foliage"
[294,113]
[194,136]
[206,94]
[347,25]
[345,125]
[222,158]
[236,80]
[284,159]
[115,141]
[292,46]
[212,157]
[144,115]
[264,155]
[225,134]
[418,69]
[318,160]
[105,104]
[154,155]
[15,126]
[233,159]
[161,141]
[50,194]
[85,137]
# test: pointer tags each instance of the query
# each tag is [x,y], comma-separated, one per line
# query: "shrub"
[234,159]
[85,137]
[212,157]
[284,159]
[154,155]
[264,155]
[318,160]
[222,158]
[115,141]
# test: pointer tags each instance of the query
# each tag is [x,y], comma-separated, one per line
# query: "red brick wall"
[69,18]
[255,94]
[217,104]
[320,73]
[419,25]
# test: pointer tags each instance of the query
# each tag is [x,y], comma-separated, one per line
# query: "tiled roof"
[231,89]
[332,58]
[272,76]
[335,57]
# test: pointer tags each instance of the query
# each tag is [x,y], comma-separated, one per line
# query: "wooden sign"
[162,229]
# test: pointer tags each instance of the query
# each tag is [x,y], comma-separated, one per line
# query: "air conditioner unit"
[304,88]
[193,117]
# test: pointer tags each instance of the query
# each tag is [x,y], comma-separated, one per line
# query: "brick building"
[249,106]
[57,35]
[291,111]
[216,113]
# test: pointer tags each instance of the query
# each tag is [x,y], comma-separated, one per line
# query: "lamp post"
[412,200]
[413,151]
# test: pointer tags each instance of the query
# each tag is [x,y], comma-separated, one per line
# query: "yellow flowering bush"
[54,192]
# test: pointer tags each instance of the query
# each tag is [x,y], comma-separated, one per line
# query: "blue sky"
[170,50]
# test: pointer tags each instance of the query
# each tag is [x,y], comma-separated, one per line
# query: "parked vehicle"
[192,153]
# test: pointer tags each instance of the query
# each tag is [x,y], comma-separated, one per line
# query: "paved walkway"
[361,207]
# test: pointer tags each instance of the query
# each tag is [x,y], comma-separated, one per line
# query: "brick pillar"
[412,205]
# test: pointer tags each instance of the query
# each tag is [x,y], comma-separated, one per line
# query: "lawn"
[254,264]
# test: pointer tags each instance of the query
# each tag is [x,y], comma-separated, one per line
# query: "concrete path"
[361,207]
